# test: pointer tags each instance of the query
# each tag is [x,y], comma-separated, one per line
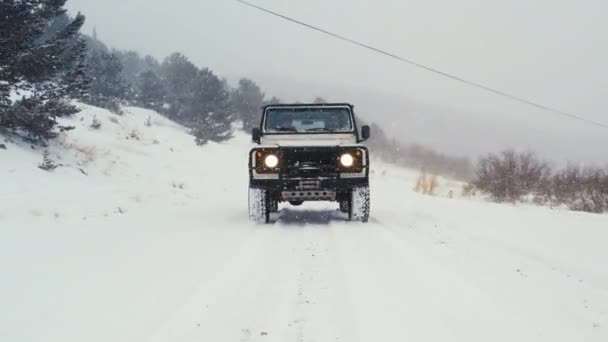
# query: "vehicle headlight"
[347,160]
[271,161]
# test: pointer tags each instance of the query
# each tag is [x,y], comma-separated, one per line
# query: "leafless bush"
[96,124]
[468,190]
[47,163]
[178,185]
[580,189]
[134,135]
[87,154]
[114,106]
[510,175]
[426,184]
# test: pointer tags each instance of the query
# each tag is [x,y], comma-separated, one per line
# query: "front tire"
[345,206]
[274,206]
[259,206]
[359,204]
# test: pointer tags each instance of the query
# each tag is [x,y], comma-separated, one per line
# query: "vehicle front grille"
[309,162]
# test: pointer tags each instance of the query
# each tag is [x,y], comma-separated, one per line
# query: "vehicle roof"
[291,105]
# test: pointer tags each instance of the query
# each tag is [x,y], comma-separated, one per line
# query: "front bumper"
[331,184]
[309,189]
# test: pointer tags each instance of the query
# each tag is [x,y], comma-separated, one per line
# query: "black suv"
[309,152]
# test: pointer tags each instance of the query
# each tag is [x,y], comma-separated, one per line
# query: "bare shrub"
[468,190]
[421,184]
[510,175]
[134,135]
[88,154]
[178,185]
[426,184]
[47,163]
[433,184]
[96,124]
[580,189]
[114,106]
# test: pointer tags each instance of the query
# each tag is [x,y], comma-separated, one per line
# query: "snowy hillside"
[141,235]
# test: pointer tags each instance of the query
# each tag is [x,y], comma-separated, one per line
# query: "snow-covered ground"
[143,236]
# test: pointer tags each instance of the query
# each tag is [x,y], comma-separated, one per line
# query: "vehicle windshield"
[308,120]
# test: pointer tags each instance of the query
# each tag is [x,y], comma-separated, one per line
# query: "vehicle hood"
[309,139]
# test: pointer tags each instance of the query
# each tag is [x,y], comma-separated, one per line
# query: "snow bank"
[119,167]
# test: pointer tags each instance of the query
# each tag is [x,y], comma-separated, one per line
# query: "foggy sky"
[550,51]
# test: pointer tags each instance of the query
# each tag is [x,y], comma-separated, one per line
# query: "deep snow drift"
[143,236]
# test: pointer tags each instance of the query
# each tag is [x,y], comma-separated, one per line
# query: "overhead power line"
[424,67]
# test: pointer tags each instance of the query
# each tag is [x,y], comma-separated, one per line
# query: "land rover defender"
[309,152]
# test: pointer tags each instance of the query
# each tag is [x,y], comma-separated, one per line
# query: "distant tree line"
[175,87]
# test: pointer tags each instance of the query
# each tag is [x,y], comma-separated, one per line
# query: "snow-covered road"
[329,280]
[153,244]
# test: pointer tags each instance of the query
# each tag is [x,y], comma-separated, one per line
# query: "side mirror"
[365,133]
[256,135]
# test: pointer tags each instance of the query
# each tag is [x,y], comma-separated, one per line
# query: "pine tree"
[210,108]
[150,91]
[133,66]
[55,26]
[95,44]
[42,52]
[247,100]
[108,87]
[179,75]
[150,63]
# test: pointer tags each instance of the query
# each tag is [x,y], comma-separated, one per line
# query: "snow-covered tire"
[259,206]
[345,206]
[359,204]
[274,206]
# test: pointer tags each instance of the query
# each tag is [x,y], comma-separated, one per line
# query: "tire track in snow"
[324,301]
[278,288]
[224,303]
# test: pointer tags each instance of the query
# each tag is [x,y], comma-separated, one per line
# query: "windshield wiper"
[320,129]
[286,129]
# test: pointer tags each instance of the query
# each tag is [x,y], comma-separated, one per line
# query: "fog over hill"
[547,51]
